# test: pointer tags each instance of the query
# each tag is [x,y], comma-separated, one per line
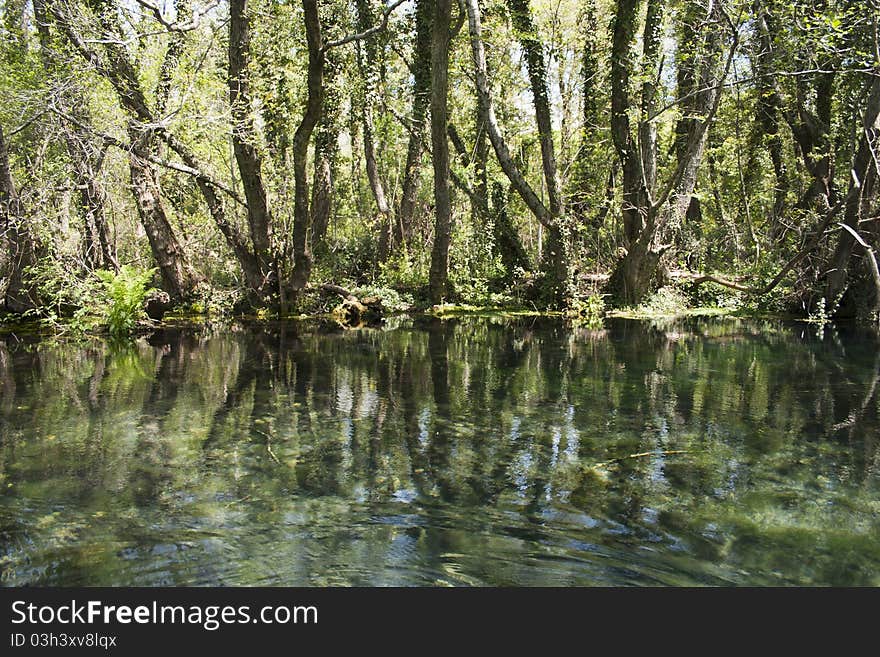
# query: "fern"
[126,291]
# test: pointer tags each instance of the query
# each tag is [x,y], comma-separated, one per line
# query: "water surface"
[481,451]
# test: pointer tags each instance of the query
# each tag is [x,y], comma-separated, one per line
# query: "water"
[481,451]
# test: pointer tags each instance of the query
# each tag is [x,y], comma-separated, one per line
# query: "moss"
[459,310]
[665,313]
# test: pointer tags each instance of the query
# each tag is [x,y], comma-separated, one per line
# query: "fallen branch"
[818,234]
[341,291]
[353,311]
[870,262]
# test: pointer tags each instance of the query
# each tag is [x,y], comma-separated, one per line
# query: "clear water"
[482,451]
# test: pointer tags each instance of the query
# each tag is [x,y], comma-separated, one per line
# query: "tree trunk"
[699,74]
[97,248]
[418,117]
[862,180]
[253,269]
[438,277]
[555,254]
[557,265]
[634,275]
[86,156]
[812,131]
[487,111]
[627,282]
[18,251]
[634,193]
[326,150]
[586,173]
[507,243]
[244,143]
[370,56]
[115,66]
[650,74]
[768,109]
[302,256]
[179,279]
[651,215]
[480,206]
[537,69]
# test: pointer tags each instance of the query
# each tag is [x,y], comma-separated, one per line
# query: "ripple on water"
[461,453]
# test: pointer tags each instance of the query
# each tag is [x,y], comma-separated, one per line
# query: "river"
[471,451]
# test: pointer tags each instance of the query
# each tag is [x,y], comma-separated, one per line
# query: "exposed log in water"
[354,312]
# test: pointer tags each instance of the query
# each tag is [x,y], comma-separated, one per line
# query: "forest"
[272,158]
[596,252]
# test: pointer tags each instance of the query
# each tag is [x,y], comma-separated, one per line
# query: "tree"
[651,209]
[440,149]
[179,278]
[86,153]
[17,242]
[208,138]
[421,98]
[857,205]
[264,279]
[557,265]
[370,62]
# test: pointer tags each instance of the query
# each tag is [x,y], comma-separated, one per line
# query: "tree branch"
[174,166]
[698,135]
[871,72]
[487,114]
[366,33]
[177,26]
[800,255]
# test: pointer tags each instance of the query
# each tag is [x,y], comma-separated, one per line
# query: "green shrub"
[393,302]
[402,273]
[60,286]
[668,300]
[125,293]
[589,311]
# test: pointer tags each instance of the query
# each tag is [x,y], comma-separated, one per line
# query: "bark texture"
[863,182]
[439,273]
[18,249]
[244,140]
[302,254]
[418,120]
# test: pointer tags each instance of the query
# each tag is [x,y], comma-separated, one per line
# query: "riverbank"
[11,325]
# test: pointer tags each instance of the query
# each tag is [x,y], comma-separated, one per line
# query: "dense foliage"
[504,152]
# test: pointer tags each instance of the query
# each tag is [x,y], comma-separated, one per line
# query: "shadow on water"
[463,452]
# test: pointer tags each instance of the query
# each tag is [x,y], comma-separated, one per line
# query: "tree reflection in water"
[469,451]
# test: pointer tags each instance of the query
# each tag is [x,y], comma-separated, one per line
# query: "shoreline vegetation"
[340,318]
[362,158]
